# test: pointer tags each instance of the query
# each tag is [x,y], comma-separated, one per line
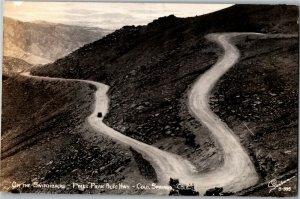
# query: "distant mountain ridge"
[12,65]
[42,42]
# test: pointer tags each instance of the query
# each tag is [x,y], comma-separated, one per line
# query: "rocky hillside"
[41,42]
[150,69]
[44,139]
[258,99]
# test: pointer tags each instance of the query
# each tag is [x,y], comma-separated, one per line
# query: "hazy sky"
[103,15]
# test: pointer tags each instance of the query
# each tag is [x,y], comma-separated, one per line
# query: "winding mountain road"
[237,171]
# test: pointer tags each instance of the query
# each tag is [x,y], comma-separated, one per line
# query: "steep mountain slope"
[258,99]
[150,69]
[45,140]
[42,42]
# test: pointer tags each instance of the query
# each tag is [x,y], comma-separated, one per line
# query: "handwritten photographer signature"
[273,184]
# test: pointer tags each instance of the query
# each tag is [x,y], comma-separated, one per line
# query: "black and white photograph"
[163,99]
